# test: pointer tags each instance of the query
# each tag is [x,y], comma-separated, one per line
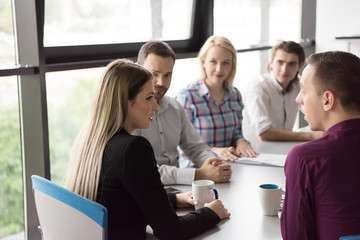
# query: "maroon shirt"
[322,199]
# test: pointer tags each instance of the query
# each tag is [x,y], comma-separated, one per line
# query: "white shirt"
[171,128]
[268,105]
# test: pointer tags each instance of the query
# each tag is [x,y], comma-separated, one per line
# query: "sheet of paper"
[267,159]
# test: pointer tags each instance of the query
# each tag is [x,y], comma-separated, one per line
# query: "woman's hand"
[244,149]
[184,200]
[227,153]
[218,208]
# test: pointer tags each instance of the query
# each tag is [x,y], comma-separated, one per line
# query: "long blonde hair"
[221,42]
[121,82]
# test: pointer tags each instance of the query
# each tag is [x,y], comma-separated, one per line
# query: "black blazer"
[131,189]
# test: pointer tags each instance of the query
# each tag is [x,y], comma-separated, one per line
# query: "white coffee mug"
[203,192]
[270,198]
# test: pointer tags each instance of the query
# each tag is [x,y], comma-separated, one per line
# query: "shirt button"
[160,132]
[163,152]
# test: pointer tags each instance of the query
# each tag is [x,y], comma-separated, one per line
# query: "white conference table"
[240,197]
[276,147]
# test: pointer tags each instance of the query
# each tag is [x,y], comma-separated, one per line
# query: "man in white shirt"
[270,107]
[171,128]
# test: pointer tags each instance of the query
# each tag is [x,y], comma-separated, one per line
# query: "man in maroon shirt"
[322,199]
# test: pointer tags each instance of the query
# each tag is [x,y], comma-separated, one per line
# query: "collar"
[163,104]
[278,87]
[204,91]
[352,123]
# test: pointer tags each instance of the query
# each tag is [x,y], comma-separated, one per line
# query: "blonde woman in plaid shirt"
[213,105]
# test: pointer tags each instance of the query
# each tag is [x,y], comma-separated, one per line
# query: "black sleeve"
[142,180]
[172,198]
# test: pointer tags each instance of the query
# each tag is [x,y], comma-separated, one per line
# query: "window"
[239,21]
[245,72]
[84,22]
[185,71]
[11,190]
[285,20]
[7,44]
[69,95]
[243,21]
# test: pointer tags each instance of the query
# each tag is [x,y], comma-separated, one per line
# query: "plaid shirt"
[219,125]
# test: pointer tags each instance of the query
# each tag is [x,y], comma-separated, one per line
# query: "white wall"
[337,18]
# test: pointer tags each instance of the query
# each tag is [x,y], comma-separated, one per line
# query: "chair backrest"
[67,215]
[352,237]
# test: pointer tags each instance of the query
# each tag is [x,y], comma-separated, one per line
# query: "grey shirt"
[171,128]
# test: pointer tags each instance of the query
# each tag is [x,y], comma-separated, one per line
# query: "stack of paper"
[265,159]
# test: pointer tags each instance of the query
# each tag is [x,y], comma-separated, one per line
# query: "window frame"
[35,60]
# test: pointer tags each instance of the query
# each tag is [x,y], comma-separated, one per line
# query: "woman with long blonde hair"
[117,169]
[214,105]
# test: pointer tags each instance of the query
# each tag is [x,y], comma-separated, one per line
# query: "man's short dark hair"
[289,47]
[157,47]
[338,72]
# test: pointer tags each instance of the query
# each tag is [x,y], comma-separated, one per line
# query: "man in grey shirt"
[171,128]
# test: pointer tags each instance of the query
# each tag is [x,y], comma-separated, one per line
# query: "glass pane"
[285,20]
[7,43]
[238,20]
[180,77]
[82,22]
[69,94]
[245,72]
[11,190]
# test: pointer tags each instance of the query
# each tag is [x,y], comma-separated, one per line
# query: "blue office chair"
[352,237]
[67,215]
